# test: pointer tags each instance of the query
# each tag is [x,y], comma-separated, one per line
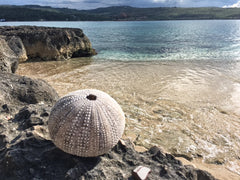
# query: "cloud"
[236,5]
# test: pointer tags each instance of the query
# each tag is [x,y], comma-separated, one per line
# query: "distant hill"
[116,13]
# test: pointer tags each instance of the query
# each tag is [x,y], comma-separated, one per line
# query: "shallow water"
[159,40]
[178,82]
[190,108]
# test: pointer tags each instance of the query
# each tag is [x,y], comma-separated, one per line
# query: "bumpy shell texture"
[86,123]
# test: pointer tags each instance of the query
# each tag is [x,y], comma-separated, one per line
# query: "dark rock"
[44,113]
[27,118]
[3,142]
[23,115]
[48,43]
[18,90]
[32,157]
[5,108]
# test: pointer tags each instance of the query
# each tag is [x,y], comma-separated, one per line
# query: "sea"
[178,83]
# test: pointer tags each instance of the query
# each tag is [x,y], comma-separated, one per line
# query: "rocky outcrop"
[12,52]
[19,90]
[30,156]
[26,151]
[48,43]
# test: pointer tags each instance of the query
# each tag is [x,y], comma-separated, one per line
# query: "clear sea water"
[159,40]
[178,83]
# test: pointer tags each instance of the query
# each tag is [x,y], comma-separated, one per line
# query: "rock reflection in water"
[189,108]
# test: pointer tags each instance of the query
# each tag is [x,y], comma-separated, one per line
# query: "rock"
[5,108]
[27,153]
[16,44]
[48,43]
[141,173]
[19,90]
[34,157]
[26,120]
[12,52]
[8,59]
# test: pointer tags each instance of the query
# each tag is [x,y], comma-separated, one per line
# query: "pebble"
[141,173]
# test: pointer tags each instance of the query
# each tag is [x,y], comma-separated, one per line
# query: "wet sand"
[191,109]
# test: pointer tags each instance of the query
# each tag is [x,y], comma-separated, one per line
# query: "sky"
[92,4]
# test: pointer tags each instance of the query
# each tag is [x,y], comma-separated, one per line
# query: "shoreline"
[157,113]
[218,171]
[90,74]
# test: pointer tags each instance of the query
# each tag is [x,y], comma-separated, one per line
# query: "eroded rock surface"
[20,90]
[32,157]
[48,43]
[12,52]
[16,44]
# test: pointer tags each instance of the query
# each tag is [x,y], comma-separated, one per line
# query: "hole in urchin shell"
[92,97]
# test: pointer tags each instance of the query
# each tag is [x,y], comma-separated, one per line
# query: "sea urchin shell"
[86,123]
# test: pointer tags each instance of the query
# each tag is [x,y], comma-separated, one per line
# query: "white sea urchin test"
[86,123]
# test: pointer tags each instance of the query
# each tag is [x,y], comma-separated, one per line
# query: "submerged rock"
[48,43]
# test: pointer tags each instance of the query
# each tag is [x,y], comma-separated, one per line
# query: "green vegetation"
[124,13]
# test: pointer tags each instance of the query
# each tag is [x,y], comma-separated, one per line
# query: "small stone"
[140,148]
[41,131]
[141,173]
[33,121]
[122,142]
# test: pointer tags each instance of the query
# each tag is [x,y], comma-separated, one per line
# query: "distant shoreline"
[1,22]
[116,13]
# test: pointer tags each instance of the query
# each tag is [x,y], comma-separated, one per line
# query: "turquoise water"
[177,82]
[159,40]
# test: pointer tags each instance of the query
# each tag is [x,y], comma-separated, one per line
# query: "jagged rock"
[32,157]
[19,90]
[8,59]
[16,44]
[12,52]
[48,43]
[27,153]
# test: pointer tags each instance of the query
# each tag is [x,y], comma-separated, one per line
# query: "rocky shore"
[21,43]
[26,151]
